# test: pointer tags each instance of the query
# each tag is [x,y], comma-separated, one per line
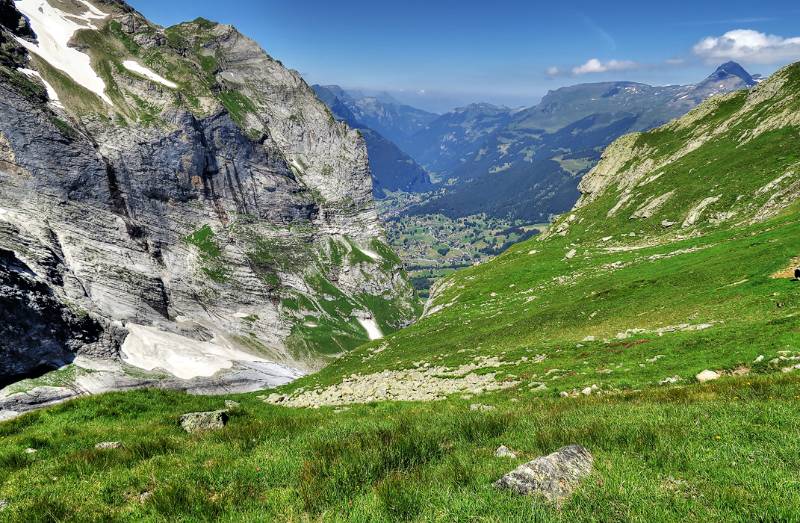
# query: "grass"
[238,105]
[722,451]
[80,100]
[211,258]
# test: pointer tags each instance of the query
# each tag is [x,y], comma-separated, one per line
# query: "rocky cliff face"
[190,216]
[392,169]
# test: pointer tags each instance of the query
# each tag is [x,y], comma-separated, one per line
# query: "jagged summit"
[732,69]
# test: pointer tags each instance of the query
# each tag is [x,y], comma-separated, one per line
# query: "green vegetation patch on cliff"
[212,261]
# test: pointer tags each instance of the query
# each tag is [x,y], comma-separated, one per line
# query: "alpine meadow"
[232,291]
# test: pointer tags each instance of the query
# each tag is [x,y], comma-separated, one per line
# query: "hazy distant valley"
[458,188]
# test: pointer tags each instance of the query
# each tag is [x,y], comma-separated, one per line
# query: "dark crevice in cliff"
[119,206]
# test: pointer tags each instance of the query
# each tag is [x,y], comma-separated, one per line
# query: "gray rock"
[480,407]
[203,421]
[554,476]
[504,452]
[108,445]
[31,451]
[232,405]
[3,505]
[707,375]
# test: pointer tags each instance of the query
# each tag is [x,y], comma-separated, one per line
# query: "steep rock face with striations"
[392,169]
[178,209]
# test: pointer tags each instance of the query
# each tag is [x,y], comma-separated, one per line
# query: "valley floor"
[435,246]
[726,450]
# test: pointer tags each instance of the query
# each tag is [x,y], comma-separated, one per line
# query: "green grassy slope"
[722,451]
[622,300]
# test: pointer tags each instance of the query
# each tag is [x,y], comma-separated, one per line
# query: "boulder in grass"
[504,452]
[108,445]
[232,405]
[203,421]
[707,375]
[554,476]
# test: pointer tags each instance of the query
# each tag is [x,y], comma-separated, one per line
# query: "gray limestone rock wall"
[200,223]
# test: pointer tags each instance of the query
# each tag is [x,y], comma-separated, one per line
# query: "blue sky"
[438,54]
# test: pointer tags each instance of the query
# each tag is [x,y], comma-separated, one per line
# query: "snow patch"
[54,29]
[136,67]
[51,93]
[373,331]
[372,254]
[150,348]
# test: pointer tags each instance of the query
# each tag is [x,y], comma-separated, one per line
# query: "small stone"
[3,505]
[202,421]
[707,375]
[276,398]
[232,405]
[564,394]
[759,359]
[670,380]
[30,451]
[587,391]
[571,254]
[480,407]
[108,445]
[667,224]
[554,476]
[504,452]
[144,496]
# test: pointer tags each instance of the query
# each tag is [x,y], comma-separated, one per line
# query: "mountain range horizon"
[392,97]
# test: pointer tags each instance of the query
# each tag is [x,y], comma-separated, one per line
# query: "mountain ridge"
[570,126]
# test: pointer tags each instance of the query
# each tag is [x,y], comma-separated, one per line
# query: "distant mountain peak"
[732,69]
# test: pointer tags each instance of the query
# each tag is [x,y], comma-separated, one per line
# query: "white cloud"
[750,46]
[553,71]
[596,66]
